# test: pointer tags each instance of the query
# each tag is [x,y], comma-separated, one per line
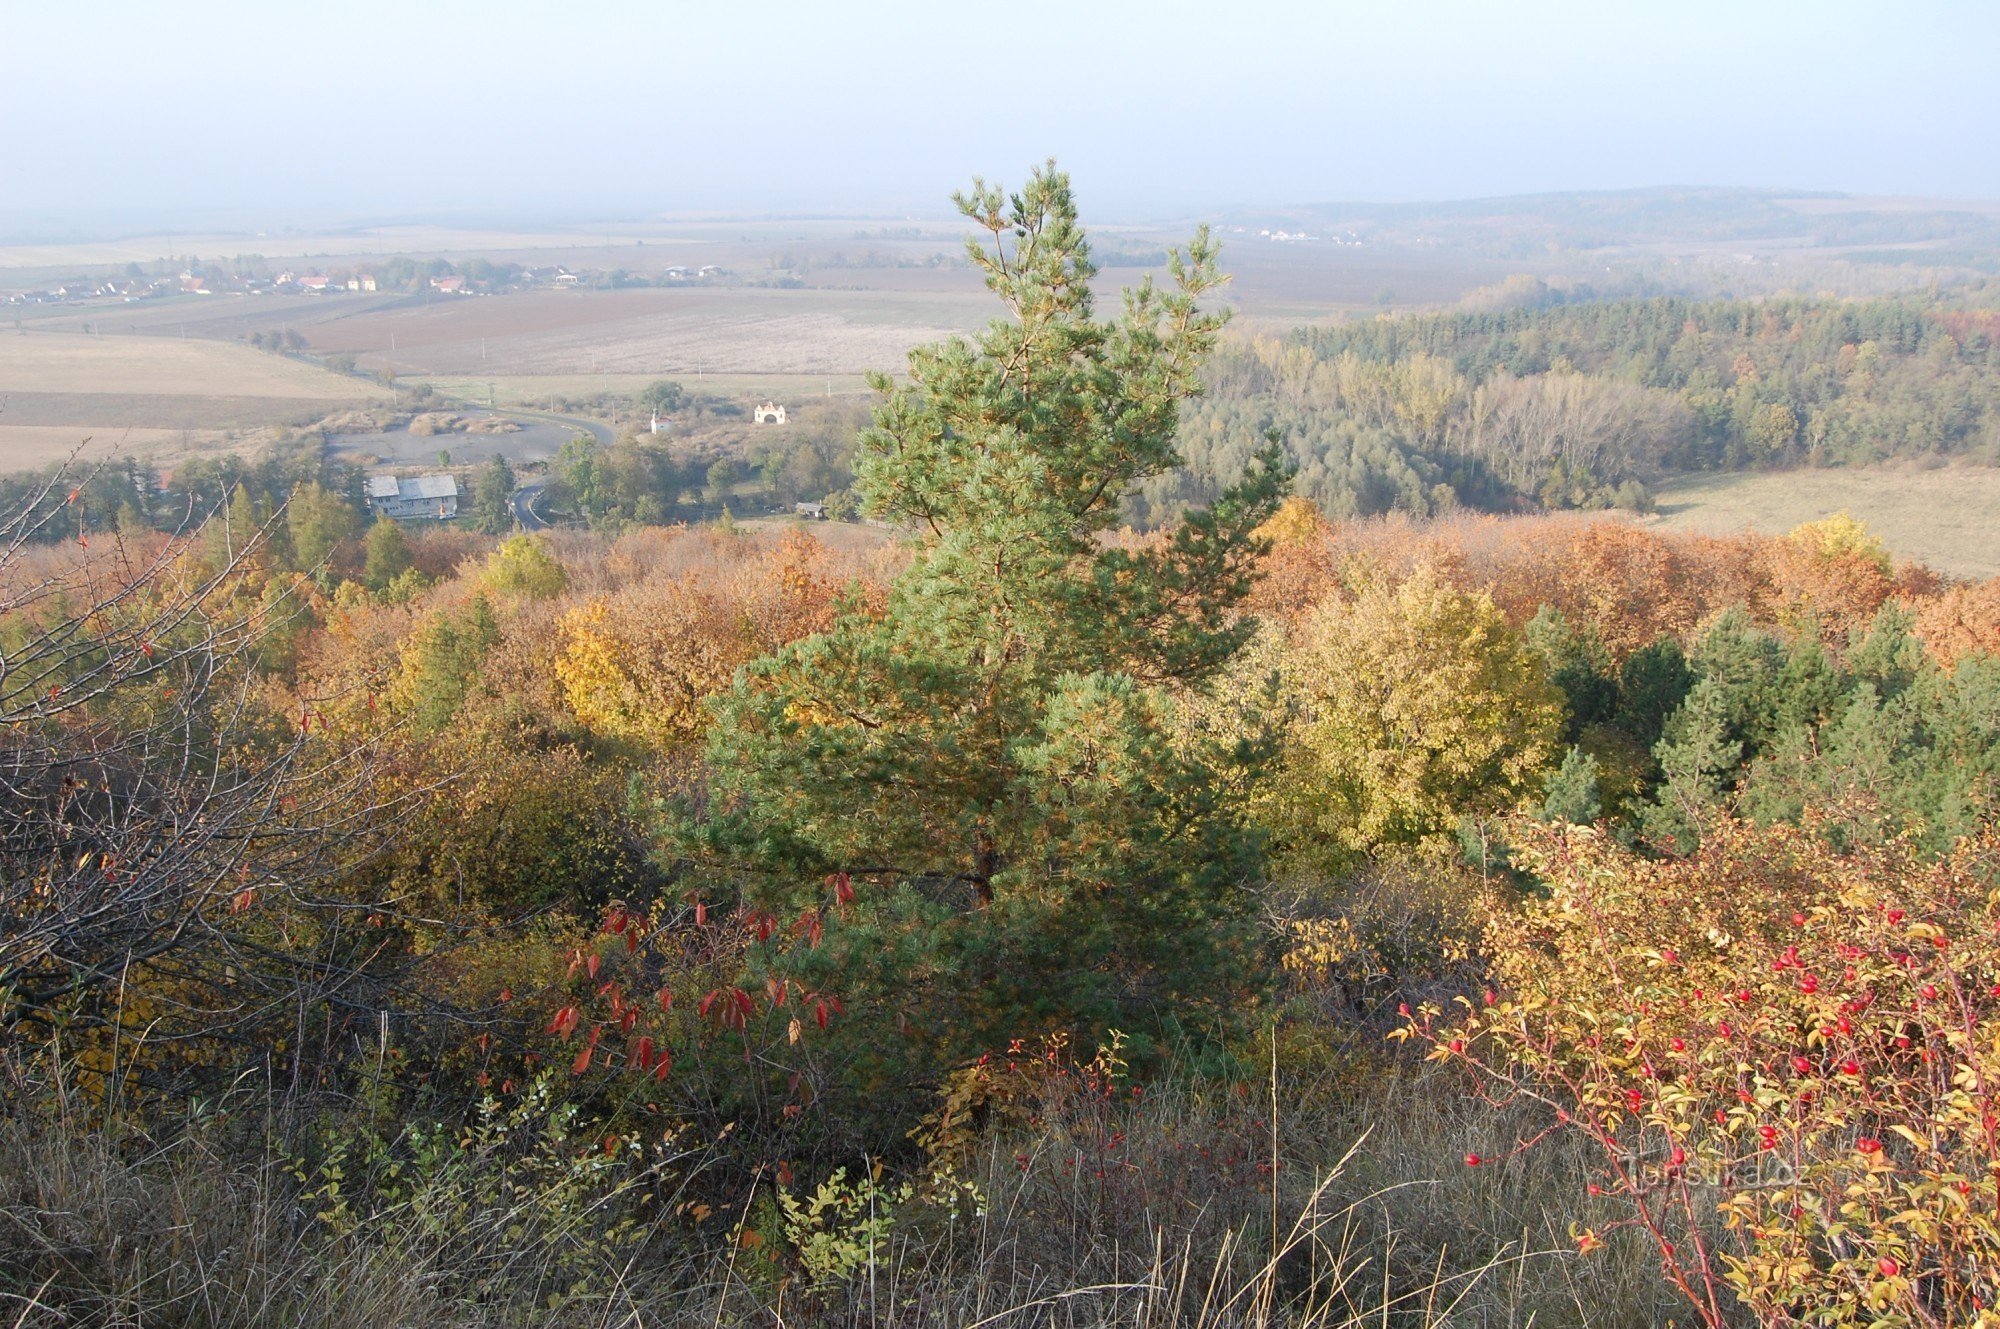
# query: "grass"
[1944,516]
[1148,1214]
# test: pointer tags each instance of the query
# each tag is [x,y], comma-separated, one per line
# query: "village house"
[361,281]
[564,277]
[410,498]
[770,413]
[453,285]
[314,282]
[810,511]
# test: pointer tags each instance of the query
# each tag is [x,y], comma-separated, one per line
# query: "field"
[506,390]
[1948,517]
[649,332]
[30,447]
[145,391]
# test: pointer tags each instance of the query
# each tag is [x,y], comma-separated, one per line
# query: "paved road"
[524,505]
[603,432]
[530,493]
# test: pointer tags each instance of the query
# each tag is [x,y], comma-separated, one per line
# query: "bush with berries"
[1785,1056]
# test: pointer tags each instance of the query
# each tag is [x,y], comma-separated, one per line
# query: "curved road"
[524,505]
[526,495]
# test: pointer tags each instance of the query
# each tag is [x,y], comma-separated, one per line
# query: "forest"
[1551,406]
[1320,903]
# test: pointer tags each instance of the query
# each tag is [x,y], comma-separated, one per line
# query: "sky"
[300,111]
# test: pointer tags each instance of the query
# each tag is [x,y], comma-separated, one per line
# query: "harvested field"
[1948,517]
[61,379]
[66,363]
[527,389]
[30,447]
[650,332]
[118,410]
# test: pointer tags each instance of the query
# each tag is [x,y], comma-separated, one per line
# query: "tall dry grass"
[1153,1213]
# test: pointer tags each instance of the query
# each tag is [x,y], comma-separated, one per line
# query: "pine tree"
[493,497]
[319,520]
[387,554]
[1571,793]
[1698,760]
[989,756]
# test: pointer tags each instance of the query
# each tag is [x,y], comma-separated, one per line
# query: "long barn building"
[409,498]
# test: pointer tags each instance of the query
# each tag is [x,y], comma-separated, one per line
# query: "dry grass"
[1944,516]
[1375,1224]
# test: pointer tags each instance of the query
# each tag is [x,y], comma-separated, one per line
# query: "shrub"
[1786,1058]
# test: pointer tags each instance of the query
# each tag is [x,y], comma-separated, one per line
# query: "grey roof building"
[412,497]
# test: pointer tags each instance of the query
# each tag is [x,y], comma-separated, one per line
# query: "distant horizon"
[616,109]
[30,226]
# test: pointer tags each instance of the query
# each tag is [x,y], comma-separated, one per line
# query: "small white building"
[810,511]
[413,498]
[770,413]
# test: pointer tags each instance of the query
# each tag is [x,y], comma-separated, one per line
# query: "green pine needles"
[988,755]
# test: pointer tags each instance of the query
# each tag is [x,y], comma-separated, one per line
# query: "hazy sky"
[290,111]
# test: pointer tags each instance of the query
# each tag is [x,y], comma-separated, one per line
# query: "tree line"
[1584,405]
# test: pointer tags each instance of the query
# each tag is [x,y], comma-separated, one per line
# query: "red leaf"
[666,1000]
[819,1012]
[645,1057]
[666,1063]
[592,963]
[708,1003]
[582,1062]
[700,913]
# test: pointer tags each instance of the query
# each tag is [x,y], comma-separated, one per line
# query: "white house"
[423,497]
[770,413]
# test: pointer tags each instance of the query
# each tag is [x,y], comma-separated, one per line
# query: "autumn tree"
[1415,704]
[988,757]
[523,566]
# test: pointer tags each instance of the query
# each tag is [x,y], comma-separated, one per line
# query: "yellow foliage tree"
[638,666]
[1842,537]
[1296,521]
[1413,704]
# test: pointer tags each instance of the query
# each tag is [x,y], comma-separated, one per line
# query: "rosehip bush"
[1786,1057]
